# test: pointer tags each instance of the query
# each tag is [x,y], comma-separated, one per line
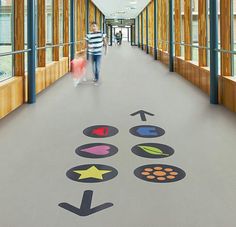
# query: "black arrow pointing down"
[85,208]
[142,114]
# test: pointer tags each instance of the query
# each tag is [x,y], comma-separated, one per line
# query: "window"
[195,30]
[6,38]
[234,34]
[182,27]
[49,29]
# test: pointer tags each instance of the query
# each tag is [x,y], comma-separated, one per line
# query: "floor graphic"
[147,131]
[100,131]
[142,114]
[85,207]
[158,173]
[96,150]
[153,150]
[94,173]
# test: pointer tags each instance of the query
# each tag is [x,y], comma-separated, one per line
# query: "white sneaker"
[84,79]
[76,82]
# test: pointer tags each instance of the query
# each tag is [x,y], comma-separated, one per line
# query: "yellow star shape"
[92,172]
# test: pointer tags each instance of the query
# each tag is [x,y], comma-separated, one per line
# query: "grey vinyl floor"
[38,142]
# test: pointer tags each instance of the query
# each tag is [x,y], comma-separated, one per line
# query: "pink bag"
[78,67]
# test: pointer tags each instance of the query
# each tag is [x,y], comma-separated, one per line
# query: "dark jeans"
[96,65]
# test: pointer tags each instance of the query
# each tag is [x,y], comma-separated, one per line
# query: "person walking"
[95,42]
[121,37]
[118,38]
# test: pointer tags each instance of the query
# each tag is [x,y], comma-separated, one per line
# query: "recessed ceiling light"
[121,12]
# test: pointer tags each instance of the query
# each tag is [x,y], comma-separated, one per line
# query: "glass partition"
[6,38]
[49,29]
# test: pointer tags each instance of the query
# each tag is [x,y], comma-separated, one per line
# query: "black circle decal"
[96,150]
[153,150]
[93,173]
[100,131]
[159,173]
[147,131]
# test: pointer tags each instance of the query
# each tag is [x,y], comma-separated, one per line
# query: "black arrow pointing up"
[85,208]
[142,114]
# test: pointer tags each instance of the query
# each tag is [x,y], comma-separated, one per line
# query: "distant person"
[121,37]
[95,42]
[117,38]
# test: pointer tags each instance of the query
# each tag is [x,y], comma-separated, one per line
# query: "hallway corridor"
[38,144]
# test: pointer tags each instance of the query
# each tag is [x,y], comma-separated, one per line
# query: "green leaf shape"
[153,150]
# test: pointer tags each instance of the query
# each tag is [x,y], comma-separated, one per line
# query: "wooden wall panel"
[229,93]
[225,36]
[41,33]
[63,67]
[66,28]
[19,37]
[177,21]
[11,95]
[187,29]
[83,28]
[56,31]
[151,24]
[202,32]
[91,12]
[81,25]
[78,16]
[205,80]
[164,57]
[40,79]
[98,18]
[52,72]
[144,27]
[140,30]
[159,24]
[164,26]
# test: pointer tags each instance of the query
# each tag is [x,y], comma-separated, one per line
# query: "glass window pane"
[234,30]
[6,38]
[195,30]
[182,27]
[49,29]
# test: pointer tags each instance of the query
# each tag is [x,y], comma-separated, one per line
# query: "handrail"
[14,52]
[226,51]
[58,45]
[194,46]
[38,48]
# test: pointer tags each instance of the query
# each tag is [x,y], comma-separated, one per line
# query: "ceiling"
[121,9]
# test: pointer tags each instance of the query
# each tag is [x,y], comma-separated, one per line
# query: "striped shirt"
[95,43]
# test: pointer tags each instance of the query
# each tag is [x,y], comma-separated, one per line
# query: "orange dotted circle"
[161,178]
[150,177]
[168,169]
[145,173]
[148,169]
[159,173]
[158,168]
[170,177]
